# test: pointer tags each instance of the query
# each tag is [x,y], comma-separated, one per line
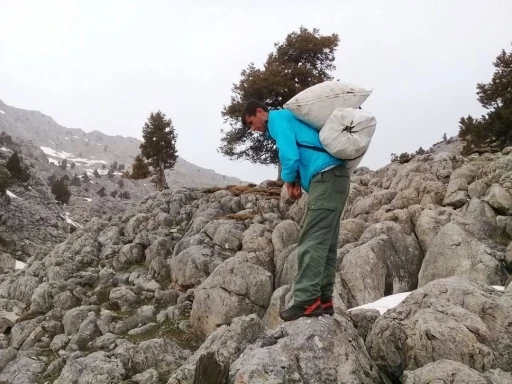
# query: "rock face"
[445,319]
[227,342]
[187,275]
[234,289]
[456,253]
[324,350]
[386,262]
[451,372]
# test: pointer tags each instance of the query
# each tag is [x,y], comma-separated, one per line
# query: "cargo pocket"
[322,214]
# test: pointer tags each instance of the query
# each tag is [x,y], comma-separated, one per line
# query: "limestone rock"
[499,198]
[234,289]
[445,319]
[386,262]
[227,343]
[455,253]
[318,350]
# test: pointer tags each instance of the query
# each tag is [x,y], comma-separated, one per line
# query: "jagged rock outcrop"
[185,273]
[453,319]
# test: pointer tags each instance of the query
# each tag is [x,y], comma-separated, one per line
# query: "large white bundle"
[315,104]
[347,134]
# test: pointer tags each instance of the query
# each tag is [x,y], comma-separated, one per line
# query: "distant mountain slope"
[89,150]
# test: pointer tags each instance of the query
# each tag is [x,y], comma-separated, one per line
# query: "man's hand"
[294,190]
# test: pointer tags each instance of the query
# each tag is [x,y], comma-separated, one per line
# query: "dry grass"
[273,190]
[240,216]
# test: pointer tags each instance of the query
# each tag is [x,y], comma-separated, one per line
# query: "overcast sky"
[105,65]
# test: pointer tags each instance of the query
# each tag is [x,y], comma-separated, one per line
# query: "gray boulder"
[227,342]
[193,265]
[285,234]
[452,372]
[159,354]
[234,289]
[445,319]
[156,258]
[24,370]
[499,198]
[454,252]
[386,262]
[98,367]
[318,350]
[257,239]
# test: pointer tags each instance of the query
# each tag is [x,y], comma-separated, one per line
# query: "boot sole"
[316,313]
[329,311]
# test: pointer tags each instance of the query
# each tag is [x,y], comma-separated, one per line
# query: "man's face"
[257,122]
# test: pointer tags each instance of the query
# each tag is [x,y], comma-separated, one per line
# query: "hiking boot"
[328,307]
[297,311]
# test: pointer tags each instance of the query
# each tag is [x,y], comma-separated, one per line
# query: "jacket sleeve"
[284,135]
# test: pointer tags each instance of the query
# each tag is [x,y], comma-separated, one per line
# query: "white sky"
[106,65]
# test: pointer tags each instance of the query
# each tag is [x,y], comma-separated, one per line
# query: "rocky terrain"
[31,221]
[145,295]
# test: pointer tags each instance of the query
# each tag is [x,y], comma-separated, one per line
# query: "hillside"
[89,150]
[189,279]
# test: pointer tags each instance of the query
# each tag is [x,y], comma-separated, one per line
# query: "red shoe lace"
[312,307]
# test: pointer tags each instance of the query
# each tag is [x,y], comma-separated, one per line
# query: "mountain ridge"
[97,147]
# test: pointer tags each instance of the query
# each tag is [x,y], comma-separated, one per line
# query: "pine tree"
[140,169]
[494,128]
[61,191]
[73,165]
[5,180]
[304,59]
[124,195]
[85,177]
[113,166]
[5,139]
[64,164]
[51,179]
[103,166]
[96,174]
[101,192]
[16,169]
[159,146]
[120,168]
[75,181]
[120,183]
[445,137]
[110,174]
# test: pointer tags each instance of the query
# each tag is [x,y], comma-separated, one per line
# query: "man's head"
[255,116]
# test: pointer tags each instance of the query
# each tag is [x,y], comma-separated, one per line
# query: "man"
[327,181]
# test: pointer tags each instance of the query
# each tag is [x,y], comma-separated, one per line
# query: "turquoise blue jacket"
[287,131]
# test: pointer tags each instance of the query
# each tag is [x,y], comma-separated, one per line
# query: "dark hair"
[250,110]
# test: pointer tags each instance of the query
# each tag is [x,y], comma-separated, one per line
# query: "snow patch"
[2,112]
[52,142]
[70,221]
[389,302]
[87,199]
[76,137]
[51,152]
[5,149]
[10,194]
[384,304]
[19,265]
[53,161]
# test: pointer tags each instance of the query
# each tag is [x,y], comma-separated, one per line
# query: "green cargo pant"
[318,241]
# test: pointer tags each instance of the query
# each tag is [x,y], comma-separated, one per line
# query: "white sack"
[347,134]
[315,104]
